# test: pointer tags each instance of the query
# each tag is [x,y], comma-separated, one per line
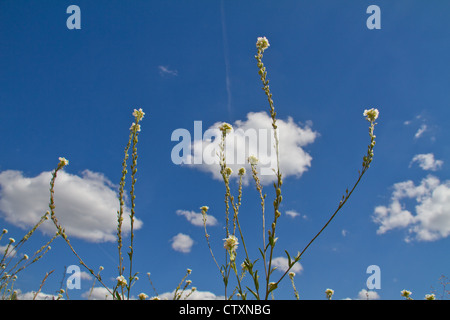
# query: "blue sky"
[71,93]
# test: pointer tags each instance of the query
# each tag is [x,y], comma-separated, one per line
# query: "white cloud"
[368,295]
[427,162]
[431,219]
[31,295]
[254,137]
[97,293]
[196,295]
[197,218]
[86,205]
[163,71]
[182,243]
[281,263]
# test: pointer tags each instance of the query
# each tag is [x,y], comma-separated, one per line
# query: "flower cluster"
[138,114]
[262,43]
[226,128]
[231,243]
[62,162]
[406,294]
[329,293]
[371,114]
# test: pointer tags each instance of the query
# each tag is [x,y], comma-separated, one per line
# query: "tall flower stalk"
[132,142]
[268,247]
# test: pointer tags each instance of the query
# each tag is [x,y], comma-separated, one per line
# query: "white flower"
[5,231]
[226,127]
[204,208]
[63,161]
[189,271]
[231,243]
[329,293]
[262,43]
[138,114]
[253,160]
[430,296]
[12,240]
[142,296]
[405,293]
[135,126]
[371,114]
[25,256]
[121,281]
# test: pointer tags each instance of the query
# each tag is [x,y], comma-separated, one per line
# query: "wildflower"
[136,127]
[138,114]
[371,115]
[63,162]
[204,208]
[329,293]
[430,296]
[188,282]
[142,296]
[189,271]
[101,268]
[12,240]
[4,231]
[253,160]
[194,289]
[291,275]
[228,171]
[241,171]
[405,293]
[121,281]
[262,43]
[25,256]
[226,128]
[231,243]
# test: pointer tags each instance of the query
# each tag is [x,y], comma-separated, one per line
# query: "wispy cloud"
[420,131]
[225,54]
[165,71]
